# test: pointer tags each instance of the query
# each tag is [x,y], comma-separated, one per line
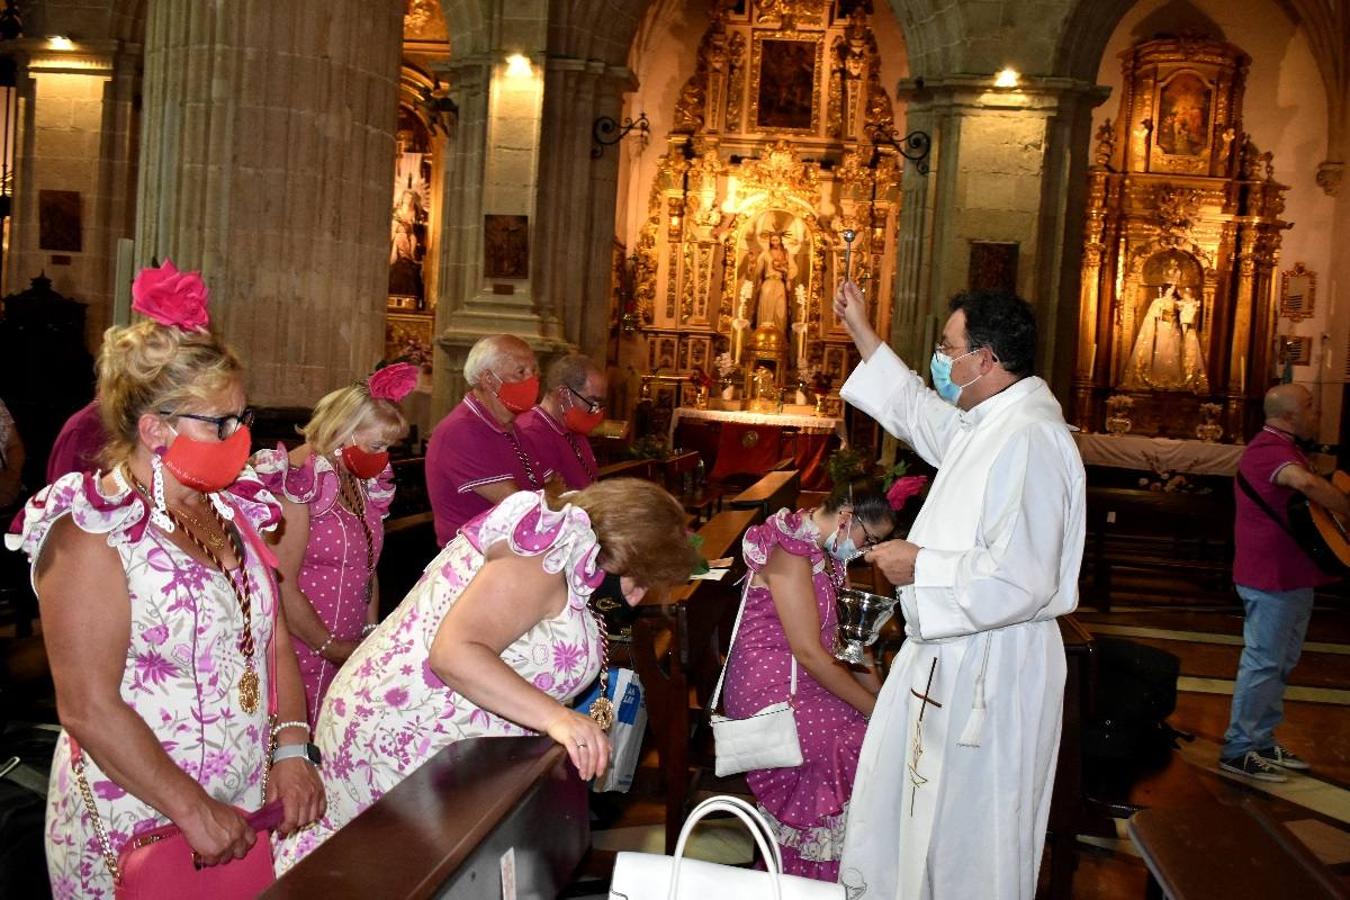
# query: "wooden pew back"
[441,832]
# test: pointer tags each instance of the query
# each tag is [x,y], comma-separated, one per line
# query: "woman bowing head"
[495,640]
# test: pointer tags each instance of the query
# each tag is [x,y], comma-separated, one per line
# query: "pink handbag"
[160,864]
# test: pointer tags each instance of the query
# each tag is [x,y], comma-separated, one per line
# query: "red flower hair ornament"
[170,297]
[393,382]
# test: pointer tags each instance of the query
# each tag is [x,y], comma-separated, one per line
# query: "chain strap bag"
[766,740]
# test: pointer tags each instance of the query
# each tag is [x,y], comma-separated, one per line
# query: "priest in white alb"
[954,780]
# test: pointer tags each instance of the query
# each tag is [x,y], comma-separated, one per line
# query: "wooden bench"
[675,644]
[442,831]
[629,468]
[1069,807]
[771,493]
[1235,852]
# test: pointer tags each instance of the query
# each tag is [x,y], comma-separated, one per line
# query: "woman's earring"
[159,510]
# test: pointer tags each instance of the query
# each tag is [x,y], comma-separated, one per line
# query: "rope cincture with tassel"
[973,733]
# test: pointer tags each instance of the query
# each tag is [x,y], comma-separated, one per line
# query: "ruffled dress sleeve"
[793,531]
[313,484]
[380,492]
[251,497]
[121,515]
[564,539]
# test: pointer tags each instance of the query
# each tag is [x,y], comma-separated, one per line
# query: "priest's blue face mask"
[941,367]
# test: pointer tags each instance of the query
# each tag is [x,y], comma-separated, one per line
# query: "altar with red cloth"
[736,442]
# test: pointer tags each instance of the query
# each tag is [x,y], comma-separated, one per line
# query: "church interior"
[675,188]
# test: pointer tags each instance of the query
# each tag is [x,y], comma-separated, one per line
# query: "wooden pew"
[1238,853]
[630,468]
[442,831]
[675,644]
[771,493]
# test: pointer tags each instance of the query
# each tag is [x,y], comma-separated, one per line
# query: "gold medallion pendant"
[248,690]
[602,711]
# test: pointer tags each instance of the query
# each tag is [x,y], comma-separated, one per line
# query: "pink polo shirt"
[469,449]
[566,452]
[1266,557]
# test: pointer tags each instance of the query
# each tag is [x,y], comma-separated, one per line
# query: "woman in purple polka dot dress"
[796,561]
[335,490]
[496,639]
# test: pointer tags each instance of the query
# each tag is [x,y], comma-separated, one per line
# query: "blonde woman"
[335,491]
[160,612]
[495,640]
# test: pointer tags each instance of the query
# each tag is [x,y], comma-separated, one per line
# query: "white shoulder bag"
[651,876]
[765,740]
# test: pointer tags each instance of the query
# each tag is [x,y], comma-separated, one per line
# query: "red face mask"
[518,396]
[208,466]
[363,463]
[581,421]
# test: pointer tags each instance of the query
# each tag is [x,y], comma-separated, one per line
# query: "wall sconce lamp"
[913,146]
[606,131]
[1007,77]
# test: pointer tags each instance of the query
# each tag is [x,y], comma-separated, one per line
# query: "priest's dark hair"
[1003,322]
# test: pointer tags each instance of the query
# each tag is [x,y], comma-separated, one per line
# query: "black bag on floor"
[1136,692]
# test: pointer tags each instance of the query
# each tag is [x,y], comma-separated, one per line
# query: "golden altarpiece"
[770,180]
[1177,316]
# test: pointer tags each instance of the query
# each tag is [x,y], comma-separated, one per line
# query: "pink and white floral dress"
[182,669]
[335,572]
[387,712]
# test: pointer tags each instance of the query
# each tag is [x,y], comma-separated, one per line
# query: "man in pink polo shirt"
[476,456]
[572,407]
[1275,577]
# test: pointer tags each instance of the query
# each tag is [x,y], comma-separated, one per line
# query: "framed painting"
[1298,292]
[993,266]
[506,246]
[409,337]
[785,81]
[59,221]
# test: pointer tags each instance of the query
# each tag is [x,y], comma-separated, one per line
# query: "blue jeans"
[1272,639]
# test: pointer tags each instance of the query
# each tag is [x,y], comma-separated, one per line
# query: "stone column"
[267,149]
[1000,170]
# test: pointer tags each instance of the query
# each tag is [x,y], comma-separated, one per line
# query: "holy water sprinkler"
[849,235]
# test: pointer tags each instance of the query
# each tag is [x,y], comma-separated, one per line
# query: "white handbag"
[765,740]
[651,876]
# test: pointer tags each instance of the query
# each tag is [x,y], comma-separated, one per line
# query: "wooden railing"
[448,828]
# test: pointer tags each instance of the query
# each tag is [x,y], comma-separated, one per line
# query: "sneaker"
[1252,765]
[1283,758]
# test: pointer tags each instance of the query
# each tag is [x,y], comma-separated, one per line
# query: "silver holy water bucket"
[861,616]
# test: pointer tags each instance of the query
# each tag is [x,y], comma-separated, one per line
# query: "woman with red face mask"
[335,491]
[160,612]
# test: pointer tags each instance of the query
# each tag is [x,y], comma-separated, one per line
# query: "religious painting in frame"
[506,246]
[59,221]
[408,337]
[698,353]
[785,80]
[834,363]
[1181,133]
[993,266]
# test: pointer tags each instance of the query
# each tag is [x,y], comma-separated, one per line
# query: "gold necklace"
[248,682]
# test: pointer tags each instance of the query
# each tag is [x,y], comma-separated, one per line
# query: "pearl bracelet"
[324,646]
[282,726]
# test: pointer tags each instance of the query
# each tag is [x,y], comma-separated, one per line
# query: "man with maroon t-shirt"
[572,407]
[1275,578]
[477,456]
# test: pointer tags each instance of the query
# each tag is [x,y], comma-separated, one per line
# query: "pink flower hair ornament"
[394,382]
[903,488]
[170,297]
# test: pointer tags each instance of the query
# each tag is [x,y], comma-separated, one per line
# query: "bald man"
[477,456]
[1275,577]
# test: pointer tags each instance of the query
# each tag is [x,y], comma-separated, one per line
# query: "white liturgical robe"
[953,789]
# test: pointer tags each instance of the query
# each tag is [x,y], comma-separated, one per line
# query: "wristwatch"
[308,752]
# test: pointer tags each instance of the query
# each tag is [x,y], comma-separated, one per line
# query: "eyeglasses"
[941,347]
[592,405]
[869,539]
[226,425]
